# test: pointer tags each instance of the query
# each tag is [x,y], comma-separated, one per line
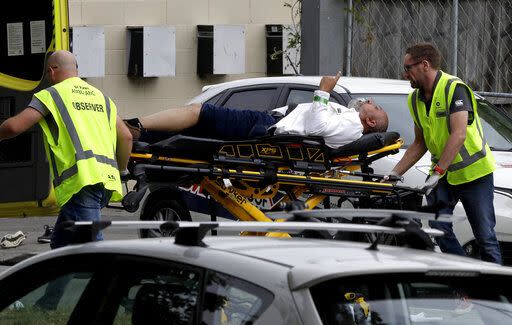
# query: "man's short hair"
[425,51]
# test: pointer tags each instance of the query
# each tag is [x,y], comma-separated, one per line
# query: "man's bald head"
[61,66]
[373,118]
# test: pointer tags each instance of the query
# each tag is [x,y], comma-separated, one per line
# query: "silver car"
[253,280]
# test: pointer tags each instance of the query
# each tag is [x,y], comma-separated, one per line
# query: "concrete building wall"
[143,96]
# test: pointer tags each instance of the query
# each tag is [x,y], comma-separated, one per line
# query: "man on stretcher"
[337,124]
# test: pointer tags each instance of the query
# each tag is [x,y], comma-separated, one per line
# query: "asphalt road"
[33,227]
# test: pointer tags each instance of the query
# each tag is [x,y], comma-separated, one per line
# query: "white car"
[271,92]
[235,280]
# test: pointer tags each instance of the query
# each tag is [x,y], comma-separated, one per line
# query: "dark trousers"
[477,199]
[85,205]
[221,123]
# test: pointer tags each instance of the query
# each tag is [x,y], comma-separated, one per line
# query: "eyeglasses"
[408,67]
[356,103]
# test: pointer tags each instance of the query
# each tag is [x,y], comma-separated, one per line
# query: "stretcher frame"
[216,176]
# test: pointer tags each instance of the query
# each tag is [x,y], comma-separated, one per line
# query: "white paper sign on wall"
[159,53]
[228,49]
[15,39]
[89,49]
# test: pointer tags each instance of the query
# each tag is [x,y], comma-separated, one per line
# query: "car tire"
[163,210]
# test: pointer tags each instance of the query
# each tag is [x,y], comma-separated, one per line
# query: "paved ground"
[33,227]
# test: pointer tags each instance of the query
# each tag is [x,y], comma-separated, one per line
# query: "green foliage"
[293,31]
[359,12]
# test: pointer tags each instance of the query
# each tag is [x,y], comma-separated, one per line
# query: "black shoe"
[47,236]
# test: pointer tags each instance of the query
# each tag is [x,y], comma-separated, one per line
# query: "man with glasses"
[337,124]
[446,123]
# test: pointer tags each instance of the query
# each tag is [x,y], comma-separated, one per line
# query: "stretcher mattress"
[295,150]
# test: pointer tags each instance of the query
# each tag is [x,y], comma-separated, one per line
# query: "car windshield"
[497,127]
[451,298]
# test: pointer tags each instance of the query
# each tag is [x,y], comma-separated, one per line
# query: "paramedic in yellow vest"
[87,144]
[446,123]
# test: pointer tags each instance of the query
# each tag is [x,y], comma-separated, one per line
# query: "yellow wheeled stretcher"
[285,168]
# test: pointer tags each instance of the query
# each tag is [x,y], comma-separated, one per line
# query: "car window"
[158,293]
[396,107]
[214,99]
[53,301]
[299,96]
[497,127]
[415,299]
[51,290]
[254,99]
[232,301]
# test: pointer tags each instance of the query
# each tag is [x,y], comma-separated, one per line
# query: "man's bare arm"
[19,123]
[124,144]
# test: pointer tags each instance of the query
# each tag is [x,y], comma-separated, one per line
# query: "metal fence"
[473,36]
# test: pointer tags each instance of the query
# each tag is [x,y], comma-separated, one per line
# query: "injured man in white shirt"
[337,124]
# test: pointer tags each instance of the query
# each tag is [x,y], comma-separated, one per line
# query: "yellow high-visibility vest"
[474,159]
[85,151]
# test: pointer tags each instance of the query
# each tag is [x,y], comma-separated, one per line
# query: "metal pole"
[493,94]
[455,26]
[348,63]
[498,51]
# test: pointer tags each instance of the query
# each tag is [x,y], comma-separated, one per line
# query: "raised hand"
[327,83]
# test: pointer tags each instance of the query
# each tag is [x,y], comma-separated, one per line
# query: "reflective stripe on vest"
[415,109]
[467,159]
[107,107]
[80,153]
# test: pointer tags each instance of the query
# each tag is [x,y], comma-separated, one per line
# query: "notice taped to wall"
[37,37]
[14,39]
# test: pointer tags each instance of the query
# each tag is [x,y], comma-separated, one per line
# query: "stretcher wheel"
[162,210]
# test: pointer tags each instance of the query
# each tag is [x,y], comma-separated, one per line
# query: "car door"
[124,289]
[154,291]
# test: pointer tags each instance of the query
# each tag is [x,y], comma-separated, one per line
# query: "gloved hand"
[392,177]
[430,183]
[125,175]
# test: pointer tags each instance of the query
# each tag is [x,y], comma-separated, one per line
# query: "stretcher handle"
[394,178]
[391,178]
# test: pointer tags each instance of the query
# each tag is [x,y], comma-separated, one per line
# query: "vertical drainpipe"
[348,63]
[455,25]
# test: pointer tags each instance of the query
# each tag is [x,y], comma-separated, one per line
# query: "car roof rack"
[414,236]
[192,233]
[350,214]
